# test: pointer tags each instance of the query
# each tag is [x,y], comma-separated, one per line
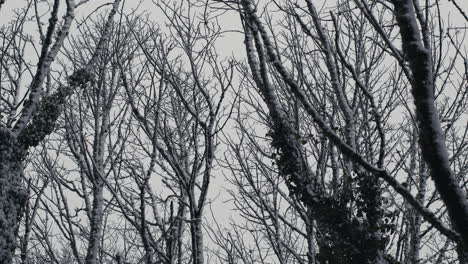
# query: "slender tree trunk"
[143,230]
[180,232]
[416,219]
[197,239]
[311,251]
[96,226]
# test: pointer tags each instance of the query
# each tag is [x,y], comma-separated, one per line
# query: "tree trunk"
[431,136]
[197,240]
[96,226]
[13,195]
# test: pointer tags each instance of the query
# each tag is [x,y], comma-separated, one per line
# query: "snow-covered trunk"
[101,126]
[196,232]
[95,233]
[197,239]
[13,195]
[278,246]
[431,136]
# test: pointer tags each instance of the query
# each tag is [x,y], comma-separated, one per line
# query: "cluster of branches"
[340,130]
[353,124]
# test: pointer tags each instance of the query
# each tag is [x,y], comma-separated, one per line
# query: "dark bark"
[13,195]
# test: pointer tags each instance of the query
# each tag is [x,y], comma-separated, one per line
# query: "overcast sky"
[229,44]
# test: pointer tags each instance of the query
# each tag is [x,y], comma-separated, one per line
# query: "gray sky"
[230,44]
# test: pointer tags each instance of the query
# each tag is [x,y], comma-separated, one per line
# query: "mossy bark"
[13,194]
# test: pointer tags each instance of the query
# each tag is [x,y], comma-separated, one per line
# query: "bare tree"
[39,111]
[97,113]
[29,120]
[341,146]
[177,98]
[360,127]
